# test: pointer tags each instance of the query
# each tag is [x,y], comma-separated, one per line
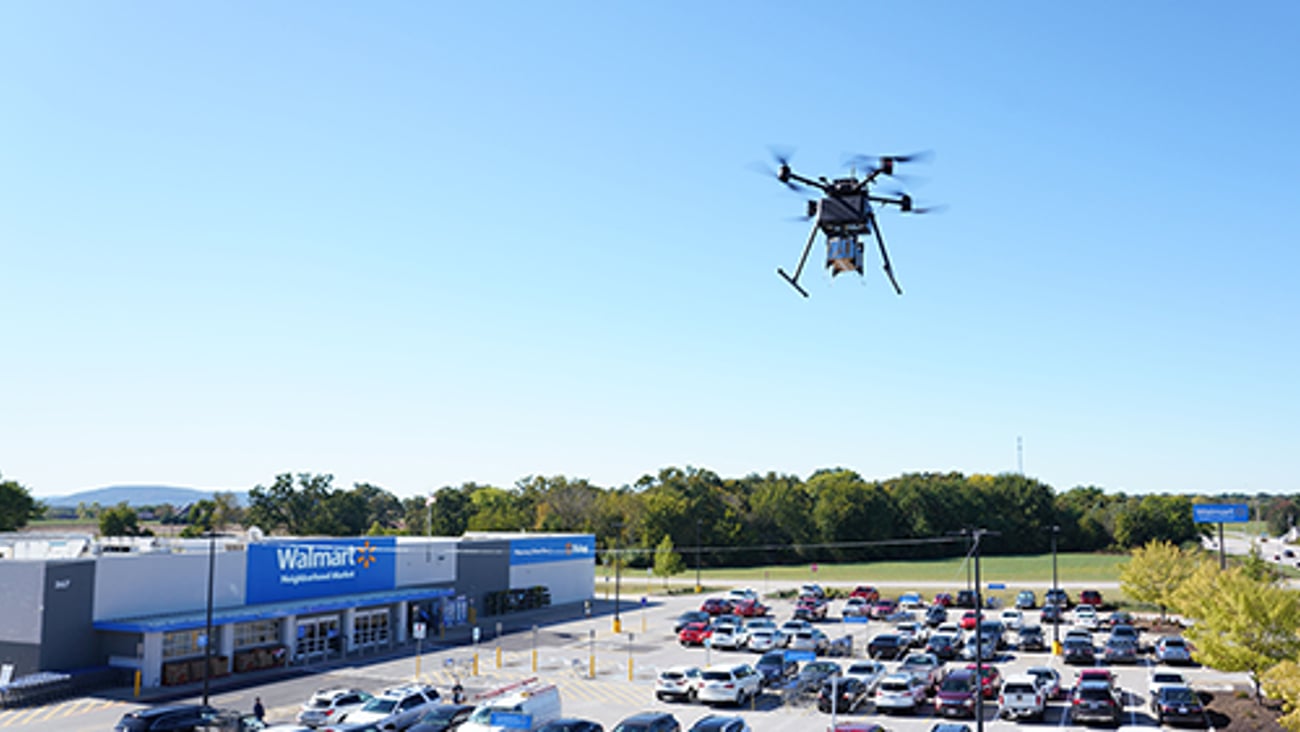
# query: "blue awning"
[227,616]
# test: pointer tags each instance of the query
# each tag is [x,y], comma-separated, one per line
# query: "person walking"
[259,711]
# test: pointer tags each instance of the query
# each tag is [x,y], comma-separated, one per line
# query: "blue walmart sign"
[552,549]
[304,568]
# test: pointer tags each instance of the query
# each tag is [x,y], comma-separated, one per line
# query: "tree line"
[833,515]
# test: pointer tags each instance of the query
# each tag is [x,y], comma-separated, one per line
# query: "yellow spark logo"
[366,555]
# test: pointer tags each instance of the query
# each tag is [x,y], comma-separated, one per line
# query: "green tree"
[294,510]
[1242,624]
[668,562]
[1283,682]
[1167,518]
[17,507]
[120,520]
[1154,573]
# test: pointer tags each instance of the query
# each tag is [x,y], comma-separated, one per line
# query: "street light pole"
[697,556]
[207,638]
[1056,627]
[618,623]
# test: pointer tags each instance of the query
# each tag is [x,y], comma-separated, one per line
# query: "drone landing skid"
[792,282]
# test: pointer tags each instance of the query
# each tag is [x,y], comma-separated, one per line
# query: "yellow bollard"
[592,670]
[498,656]
[618,626]
[475,673]
[629,669]
[1056,648]
[137,682]
[534,660]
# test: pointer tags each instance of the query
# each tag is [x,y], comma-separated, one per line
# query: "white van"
[531,706]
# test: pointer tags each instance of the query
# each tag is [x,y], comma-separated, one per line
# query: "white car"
[925,666]
[1049,680]
[790,627]
[916,634]
[398,707]
[754,624]
[1085,616]
[856,607]
[735,684]
[1159,677]
[740,595]
[1012,618]
[810,640]
[678,682]
[331,705]
[729,637]
[869,672]
[900,693]
[763,640]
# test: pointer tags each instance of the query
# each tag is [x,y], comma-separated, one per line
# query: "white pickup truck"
[1021,698]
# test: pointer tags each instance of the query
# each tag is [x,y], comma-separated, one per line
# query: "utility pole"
[207,638]
[697,557]
[973,536]
[1056,626]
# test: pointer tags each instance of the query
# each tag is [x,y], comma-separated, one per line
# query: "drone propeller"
[907,205]
[885,163]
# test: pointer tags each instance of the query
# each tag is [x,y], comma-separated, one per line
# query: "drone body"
[844,214]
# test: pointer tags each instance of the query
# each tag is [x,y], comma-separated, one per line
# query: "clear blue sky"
[424,243]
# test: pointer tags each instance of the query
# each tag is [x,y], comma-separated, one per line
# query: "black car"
[649,722]
[1178,704]
[569,724]
[944,646]
[1078,651]
[1096,701]
[814,674]
[174,718]
[688,617]
[719,723]
[1052,614]
[887,645]
[1030,638]
[1057,597]
[966,599]
[442,718]
[842,694]
[936,615]
[775,668]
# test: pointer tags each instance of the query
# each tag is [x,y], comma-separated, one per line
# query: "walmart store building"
[72,603]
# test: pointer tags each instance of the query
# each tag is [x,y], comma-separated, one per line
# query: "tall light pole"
[1056,626]
[973,537]
[618,623]
[207,638]
[697,556]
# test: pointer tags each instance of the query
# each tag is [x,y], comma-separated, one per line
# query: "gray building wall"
[20,614]
[67,634]
[482,567]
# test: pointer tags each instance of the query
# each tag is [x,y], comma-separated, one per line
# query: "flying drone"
[845,213]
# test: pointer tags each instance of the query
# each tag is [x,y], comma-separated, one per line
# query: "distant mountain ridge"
[139,495]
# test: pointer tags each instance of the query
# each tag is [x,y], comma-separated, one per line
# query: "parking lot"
[625,666]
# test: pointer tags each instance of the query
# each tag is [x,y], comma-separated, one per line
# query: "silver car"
[1173,650]
[330,705]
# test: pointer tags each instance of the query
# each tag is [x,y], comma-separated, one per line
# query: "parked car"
[913,634]
[810,640]
[1048,679]
[1173,650]
[1095,701]
[966,598]
[1022,698]
[1091,597]
[1052,614]
[883,608]
[694,634]
[869,672]
[900,693]
[925,666]
[945,646]
[813,590]
[911,601]
[886,645]
[1158,678]
[1119,650]
[841,647]
[751,608]
[1127,632]
[1026,600]
[866,592]
[678,683]
[720,723]
[775,669]
[943,599]
[1030,638]
[1178,704]
[856,607]
[399,706]
[717,606]
[956,695]
[740,594]
[1119,617]
[763,640]
[968,620]
[810,609]
[1085,616]
[990,679]
[649,722]
[814,673]
[1058,597]
[570,724]
[445,717]
[729,637]
[688,617]
[1078,651]
[170,717]
[731,684]
[790,627]
[842,694]
[936,615]
[1012,618]
[330,705]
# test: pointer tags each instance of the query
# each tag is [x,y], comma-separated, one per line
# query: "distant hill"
[138,495]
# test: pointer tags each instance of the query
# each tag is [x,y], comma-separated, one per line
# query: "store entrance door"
[318,637]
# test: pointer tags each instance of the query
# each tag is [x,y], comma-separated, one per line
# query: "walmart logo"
[366,555]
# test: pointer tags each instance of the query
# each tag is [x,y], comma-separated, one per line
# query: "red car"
[944,599]
[716,606]
[866,592]
[990,679]
[1090,597]
[750,609]
[884,607]
[694,634]
[1094,674]
[968,620]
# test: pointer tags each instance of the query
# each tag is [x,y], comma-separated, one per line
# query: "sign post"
[418,630]
[1221,513]
[476,637]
